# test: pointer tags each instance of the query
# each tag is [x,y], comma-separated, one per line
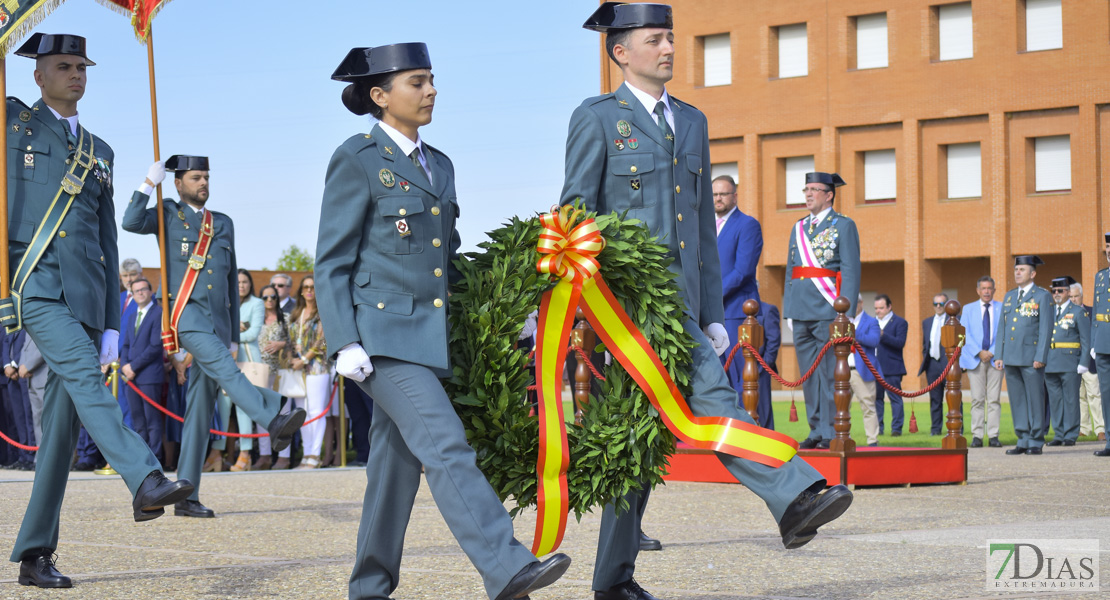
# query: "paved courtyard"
[291,534]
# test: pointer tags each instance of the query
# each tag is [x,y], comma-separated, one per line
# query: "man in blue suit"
[141,358]
[892,340]
[980,321]
[863,381]
[933,361]
[23,426]
[768,318]
[739,246]
[658,171]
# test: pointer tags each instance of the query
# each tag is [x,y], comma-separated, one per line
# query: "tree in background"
[294,258]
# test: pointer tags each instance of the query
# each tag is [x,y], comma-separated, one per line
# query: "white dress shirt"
[407,146]
[649,103]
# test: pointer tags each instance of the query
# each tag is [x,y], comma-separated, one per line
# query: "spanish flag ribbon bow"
[569,246]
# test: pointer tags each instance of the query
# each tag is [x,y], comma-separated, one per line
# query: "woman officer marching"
[386,241]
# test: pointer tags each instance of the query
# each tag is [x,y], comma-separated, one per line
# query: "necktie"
[138,319]
[72,139]
[812,224]
[664,127]
[1059,309]
[1021,296]
[720,224]
[415,158]
[986,326]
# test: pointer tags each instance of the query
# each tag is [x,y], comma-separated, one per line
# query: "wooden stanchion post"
[750,331]
[952,337]
[582,336]
[842,327]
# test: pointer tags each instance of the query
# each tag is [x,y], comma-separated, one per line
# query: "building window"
[1052,163]
[731,169]
[717,55]
[796,168]
[955,31]
[793,46]
[871,41]
[1044,25]
[965,170]
[880,176]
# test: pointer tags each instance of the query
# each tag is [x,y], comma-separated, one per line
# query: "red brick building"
[968,132]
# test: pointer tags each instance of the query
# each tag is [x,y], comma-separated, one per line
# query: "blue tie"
[986,326]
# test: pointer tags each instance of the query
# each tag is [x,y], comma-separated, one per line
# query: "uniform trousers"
[986,393]
[809,338]
[415,424]
[75,394]
[1063,402]
[1090,405]
[243,424]
[1102,366]
[864,391]
[1026,387]
[214,368]
[711,395]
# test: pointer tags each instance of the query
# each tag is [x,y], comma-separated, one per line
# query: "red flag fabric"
[142,13]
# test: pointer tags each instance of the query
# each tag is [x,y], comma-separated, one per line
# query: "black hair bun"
[356,100]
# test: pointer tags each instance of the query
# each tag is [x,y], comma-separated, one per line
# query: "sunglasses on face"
[308,287]
[938,304]
[269,297]
[1060,291]
[279,285]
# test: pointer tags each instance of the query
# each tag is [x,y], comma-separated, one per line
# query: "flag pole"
[164,276]
[5,275]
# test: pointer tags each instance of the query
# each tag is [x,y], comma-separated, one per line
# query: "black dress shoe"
[1103,452]
[895,433]
[192,508]
[1036,450]
[39,571]
[84,466]
[976,442]
[1018,450]
[1055,442]
[649,544]
[823,445]
[155,492]
[629,590]
[535,576]
[994,443]
[283,427]
[808,444]
[1069,442]
[809,511]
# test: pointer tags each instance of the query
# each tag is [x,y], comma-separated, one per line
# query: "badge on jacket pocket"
[403,228]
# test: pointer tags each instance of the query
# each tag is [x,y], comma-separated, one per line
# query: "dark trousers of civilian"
[933,369]
[360,407]
[897,412]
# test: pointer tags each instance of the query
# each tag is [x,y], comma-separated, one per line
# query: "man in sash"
[200,258]
[642,151]
[823,263]
[65,293]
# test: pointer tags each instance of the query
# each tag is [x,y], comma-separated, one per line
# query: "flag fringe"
[26,23]
[144,35]
[123,10]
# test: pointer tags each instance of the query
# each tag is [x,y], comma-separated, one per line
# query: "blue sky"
[247,83]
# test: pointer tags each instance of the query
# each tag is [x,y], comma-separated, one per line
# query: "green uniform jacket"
[670,192]
[376,286]
[1024,331]
[214,303]
[836,242]
[1073,327]
[1100,313]
[80,263]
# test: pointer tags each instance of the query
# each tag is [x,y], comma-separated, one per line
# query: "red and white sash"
[826,280]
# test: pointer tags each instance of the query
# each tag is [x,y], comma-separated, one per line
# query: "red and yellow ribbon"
[569,250]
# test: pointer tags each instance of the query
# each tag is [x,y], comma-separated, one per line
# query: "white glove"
[234,347]
[353,363]
[790,324]
[1082,370]
[156,173]
[718,337]
[529,326]
[109,346]
[1092,353]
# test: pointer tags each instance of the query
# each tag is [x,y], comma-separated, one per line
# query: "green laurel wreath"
[622,442]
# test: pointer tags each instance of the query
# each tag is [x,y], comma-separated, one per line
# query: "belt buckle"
[72,184]
[196,262]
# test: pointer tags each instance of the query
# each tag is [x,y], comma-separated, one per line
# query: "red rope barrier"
[582,353]
[778,378]
[902,393]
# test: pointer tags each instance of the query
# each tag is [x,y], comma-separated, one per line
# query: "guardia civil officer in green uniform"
[384,263]
[200,245]
[1100,335]
[822,263]
[643,151]
[1071,341]
[1022,343]
[62,240]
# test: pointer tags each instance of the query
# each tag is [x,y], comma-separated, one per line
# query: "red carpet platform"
[861,467]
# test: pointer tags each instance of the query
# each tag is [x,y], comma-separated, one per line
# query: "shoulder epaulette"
[598,99]
[18,101]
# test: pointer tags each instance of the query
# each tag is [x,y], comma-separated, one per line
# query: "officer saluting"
[641,150]
[200,255]
[1100,336]
[1022,342]
[1071,341]
[823,263]
[62,236]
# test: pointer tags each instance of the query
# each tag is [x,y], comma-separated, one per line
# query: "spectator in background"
[892,342]
[252,313]
[863,381]
[129,271]
[768,318]
[177,387]
[361,408]
[933,361]
[141,359]
[739,245]
[33,370]
[310,354]
[23,429]
[273,342]
[1090,398]
[284,284]
[980,321]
